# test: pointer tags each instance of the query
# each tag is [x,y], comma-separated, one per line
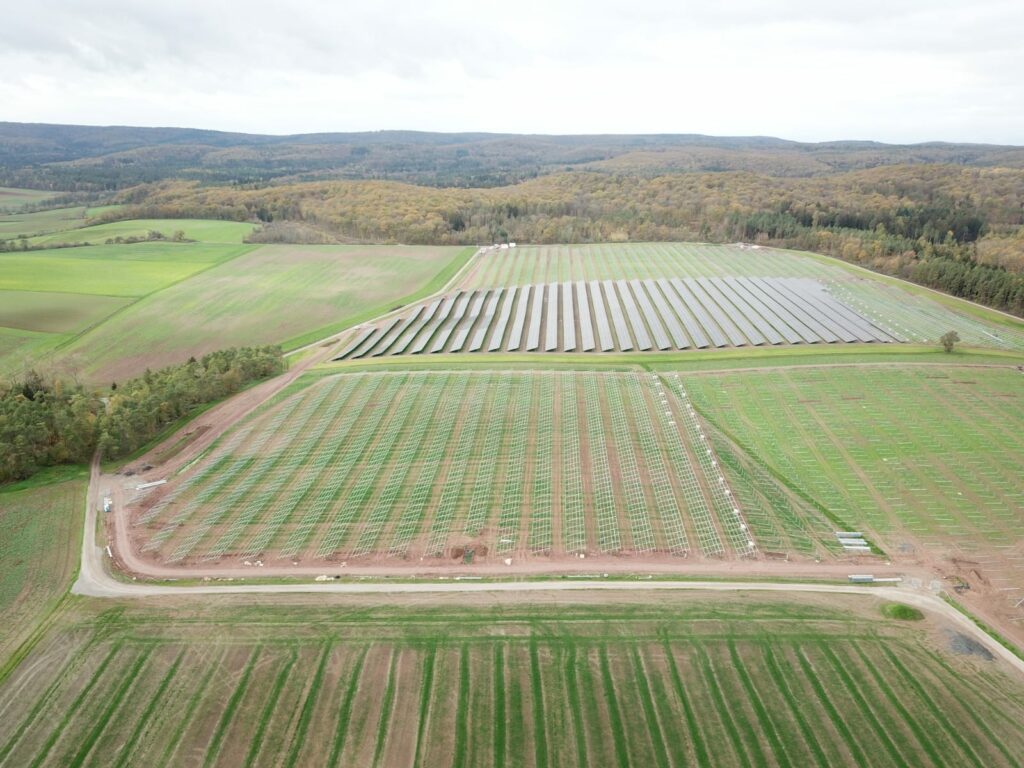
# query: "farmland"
[434,465]
[925,459]
[61,293]
[113,310]
[12,198]
[931,453]
[309,291]
[720,681]
[88,274]
[601,498]
[39,535]
[18,225]
[644,457]
[199,230]
[55,312]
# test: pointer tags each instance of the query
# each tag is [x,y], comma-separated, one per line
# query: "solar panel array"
[622,316]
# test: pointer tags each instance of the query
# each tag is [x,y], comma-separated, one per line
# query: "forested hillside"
[91,158]
[949,227]
[51,421]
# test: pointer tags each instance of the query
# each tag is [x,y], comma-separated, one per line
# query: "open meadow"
[17,226]
[931,453]
[91,271]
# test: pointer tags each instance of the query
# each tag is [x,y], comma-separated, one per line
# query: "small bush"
[901,612]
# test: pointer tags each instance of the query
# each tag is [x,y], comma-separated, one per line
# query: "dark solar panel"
[604,331]
[427,333]
[515,337]
[499,328]
[486,322]
[410,333]
[667,315]
[586,325]
[617,317]
[457,314]
[733,310]
[551,319]
[643,339]
[568,319]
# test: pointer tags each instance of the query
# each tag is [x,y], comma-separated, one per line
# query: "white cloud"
[909,71]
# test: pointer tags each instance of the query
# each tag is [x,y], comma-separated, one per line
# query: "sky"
[810,70]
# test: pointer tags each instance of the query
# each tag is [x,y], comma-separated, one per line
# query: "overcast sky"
[800,69]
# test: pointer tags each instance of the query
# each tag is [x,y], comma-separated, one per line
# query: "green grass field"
[200,230]
[60,293]
[692,680]
[12,198]
[192,297]
[928,454]
[55,312]
[16,345]
[54,270]
[271,294]
[18,225]
[40,531]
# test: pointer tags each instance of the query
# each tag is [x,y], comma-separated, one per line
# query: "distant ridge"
[53,156]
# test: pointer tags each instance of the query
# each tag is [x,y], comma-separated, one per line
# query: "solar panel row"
[499,328]
[623,315]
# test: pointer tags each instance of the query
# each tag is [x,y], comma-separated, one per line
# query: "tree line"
[46,421]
